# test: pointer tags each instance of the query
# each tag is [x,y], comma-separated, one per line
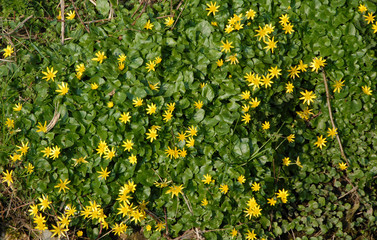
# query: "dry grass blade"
[55,119]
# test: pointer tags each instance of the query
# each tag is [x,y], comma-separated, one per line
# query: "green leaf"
[103,7]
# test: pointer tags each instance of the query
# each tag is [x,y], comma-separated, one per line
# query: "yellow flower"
[320,142]
[8,51]
[298,163]
[190,142]
[93,86]
[338,85]
[343,166]
[262,33]
[307,96]
[289,87]
[254,102]
[192,131]
[137,102]
[332,132]
[100,56]
[233,59]
[71,15]
[109,154]
[8,177]
[30,168]
[284,19]
[282,194]
[55,152]
[150,66]
[169,21]
[266,125]
[121,58]
[250,14]
[204,202]
[63,185]
[271,201]
[160,226]
[46,151]
[214,24]
[181,136]
[207,179]
[151,108]
[224,188]
[80,68]
[15,157]
[175,190]
[317,63]
[132,159]
[246,118]
[118,229]
[9,123]
[125,117]
[226,46]
[241,179]
[148,25]
[102,147]
[152,135]
[220,62]
[212,8]
[245,108]
[103,174]
[374,27]
[59,17]
[275,72]
[120,66]
[148,227]
[128,145]
[80,160]
[63,89]
[157,60]
[110,104]
[293,72]
[229,28]
[288,28]
[198,104]
[255,187]
[291,138]
[33,211]
[302,67]
[266,80]
[271,44]
[49,74]
[245,95]
[369,18]
[167,116]
[44,202]
[366,90]
[79,233]
[286,161]
[23,148]
[362,8]
[251,235]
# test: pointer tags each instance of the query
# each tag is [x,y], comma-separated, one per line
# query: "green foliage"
[323,201]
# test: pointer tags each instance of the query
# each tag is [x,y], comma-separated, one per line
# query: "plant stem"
[331,117]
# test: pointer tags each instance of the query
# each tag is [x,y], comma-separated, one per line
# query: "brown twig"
[179,16]
[331,117]
[137,9]
[78,15]
[351,191]
[142,11]
[20,24]
[63,23]
[96,21]
[165,16]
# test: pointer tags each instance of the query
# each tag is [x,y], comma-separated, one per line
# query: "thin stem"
[331,117]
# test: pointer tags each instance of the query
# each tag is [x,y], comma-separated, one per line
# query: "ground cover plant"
[189,119]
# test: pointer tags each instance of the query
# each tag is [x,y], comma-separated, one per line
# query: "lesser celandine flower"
[8,51]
